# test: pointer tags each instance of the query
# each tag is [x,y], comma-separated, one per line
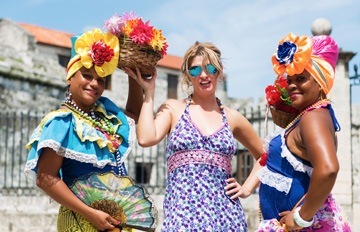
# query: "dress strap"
[335,121]
[189,101]
[320,104]
[221,109]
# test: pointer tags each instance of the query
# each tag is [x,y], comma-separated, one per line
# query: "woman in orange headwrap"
[301,160]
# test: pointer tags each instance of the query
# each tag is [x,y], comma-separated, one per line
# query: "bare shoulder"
[173,106]
[235,118]
[175,103]
[233,114]
[315,119]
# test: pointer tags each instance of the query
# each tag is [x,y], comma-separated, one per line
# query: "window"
[63,60]
[108,82]
[143,172]
[172,86]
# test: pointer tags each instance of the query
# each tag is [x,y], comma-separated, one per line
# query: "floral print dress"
[198,167]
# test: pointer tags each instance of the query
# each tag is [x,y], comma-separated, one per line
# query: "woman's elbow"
[144,142]
[331,171]
[334,171]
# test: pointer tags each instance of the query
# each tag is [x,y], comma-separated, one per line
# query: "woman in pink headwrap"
[301,160]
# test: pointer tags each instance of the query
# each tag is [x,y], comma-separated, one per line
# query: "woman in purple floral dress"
[200,194]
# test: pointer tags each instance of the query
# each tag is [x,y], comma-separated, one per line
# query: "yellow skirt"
[69,221]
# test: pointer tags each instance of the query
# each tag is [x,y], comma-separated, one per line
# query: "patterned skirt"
[69,221]
[330,217]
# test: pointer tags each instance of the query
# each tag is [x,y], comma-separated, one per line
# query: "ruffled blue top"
[85,149]
[286,176]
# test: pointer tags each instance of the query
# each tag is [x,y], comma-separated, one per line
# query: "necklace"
[191,101]
[100,122]
[316,105]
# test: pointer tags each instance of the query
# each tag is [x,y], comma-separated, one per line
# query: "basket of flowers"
[141,45]
[279,102]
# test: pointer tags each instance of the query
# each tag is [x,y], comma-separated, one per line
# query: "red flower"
[272,95]
[263,159]
[100,53]
[277,96]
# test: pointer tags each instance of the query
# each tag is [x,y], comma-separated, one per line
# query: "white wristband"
[301,222]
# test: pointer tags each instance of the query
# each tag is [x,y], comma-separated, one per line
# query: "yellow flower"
[99,49]
[158,41]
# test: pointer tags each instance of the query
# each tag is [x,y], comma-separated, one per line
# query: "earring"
[68,94]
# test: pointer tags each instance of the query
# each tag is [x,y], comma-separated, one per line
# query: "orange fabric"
[286,62]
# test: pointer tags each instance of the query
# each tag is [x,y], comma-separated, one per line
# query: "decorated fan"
[120,197]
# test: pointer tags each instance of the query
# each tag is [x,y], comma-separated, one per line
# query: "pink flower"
[143,33]
[130,26]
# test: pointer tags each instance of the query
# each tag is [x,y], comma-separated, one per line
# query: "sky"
[247,32]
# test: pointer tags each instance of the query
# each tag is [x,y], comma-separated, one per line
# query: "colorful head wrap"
[317,55]
[94,48]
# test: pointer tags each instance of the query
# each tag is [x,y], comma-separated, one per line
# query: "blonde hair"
[209,52]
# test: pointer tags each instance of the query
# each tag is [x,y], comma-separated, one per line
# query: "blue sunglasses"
[196,70]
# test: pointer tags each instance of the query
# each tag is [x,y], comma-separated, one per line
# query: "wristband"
[301,222]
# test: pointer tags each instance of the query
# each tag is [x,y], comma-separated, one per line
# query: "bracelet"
[301,222]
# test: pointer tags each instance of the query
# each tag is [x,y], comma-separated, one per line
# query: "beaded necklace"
[191,101]
[102,124]
[316,105]
[97,121]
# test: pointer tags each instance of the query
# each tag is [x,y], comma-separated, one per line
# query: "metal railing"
[146,165]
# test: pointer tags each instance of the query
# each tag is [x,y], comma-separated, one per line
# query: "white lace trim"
[285,153]
[78,156]
[275,180]
[295,163]
[270,137]
[28,169]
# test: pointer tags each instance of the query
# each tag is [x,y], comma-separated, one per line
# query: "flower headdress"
[317,55]
[292,55]
[94,48]
[140,32]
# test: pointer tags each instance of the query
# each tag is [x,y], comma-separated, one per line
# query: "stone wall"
[39,213]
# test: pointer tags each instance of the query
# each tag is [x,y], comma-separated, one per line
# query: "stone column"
[340,97]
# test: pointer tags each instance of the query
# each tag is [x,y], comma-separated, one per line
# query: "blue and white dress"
[84,148]
[285,180]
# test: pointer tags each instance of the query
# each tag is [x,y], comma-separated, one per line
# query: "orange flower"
[292,55]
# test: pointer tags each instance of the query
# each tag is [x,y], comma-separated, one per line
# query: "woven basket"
[281,118]
[134,55]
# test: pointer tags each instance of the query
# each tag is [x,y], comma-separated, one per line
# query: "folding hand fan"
[120,197]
